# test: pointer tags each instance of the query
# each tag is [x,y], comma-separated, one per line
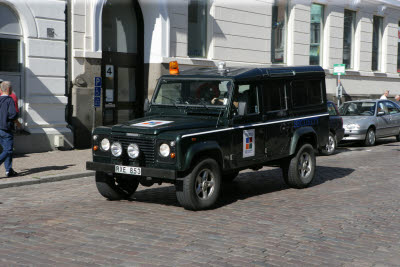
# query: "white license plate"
[128,170]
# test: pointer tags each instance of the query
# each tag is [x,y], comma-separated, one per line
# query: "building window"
[197,29]
[278,32]
[9,55]
[398,49]
[348,37]
[377,42]
[316,32]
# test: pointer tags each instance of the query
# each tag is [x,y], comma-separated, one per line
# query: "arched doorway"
[11,57]
[122,61]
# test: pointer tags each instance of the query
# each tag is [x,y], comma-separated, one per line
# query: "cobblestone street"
[350,216]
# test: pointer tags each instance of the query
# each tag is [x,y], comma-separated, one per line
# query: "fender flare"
[298,134]
[197,148]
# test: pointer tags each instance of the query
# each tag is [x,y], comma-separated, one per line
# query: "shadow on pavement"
[246,185]
[43,169]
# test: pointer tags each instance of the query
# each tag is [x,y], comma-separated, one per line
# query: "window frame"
[398,48]
[321,35]
[352,34]
[204,45]
[276,6]
[378,53]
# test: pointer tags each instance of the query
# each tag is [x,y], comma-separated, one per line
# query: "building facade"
[63,46]
[33,58]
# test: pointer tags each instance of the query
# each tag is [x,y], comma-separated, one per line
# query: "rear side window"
[274,98]
[392,109]
[306,92]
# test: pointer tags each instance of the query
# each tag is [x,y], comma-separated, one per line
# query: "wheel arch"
[301,136]
[210,149]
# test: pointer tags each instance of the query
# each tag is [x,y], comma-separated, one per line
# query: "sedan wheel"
[330,148]
[370,138]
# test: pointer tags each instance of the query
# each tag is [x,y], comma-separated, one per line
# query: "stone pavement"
[47,166]
[349,216]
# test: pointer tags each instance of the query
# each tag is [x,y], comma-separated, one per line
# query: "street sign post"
[339,69]
[96,98]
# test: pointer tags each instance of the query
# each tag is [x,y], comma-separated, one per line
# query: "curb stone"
[47,179]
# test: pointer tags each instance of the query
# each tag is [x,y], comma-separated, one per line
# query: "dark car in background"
[336,130]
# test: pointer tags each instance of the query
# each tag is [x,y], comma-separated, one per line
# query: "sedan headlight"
[352,126]
[133,151]
[164,150]
[105,144]
[116,149]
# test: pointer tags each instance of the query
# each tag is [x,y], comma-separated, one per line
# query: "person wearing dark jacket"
[7,116]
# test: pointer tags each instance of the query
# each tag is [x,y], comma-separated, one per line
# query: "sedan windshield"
[358,109]
[193,92]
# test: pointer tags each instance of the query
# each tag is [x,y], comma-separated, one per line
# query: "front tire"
[201,187]
[299,172]
[330,148]
[370,137]
[115,188]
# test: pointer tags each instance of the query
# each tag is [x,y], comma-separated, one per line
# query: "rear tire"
[330,148]
[370,137]
[299,171]
[201,187]
[115,188]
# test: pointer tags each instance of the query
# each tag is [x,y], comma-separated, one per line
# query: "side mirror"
[381,113]
[242,108]
[146,105]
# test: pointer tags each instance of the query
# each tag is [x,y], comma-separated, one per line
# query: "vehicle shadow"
[246,185]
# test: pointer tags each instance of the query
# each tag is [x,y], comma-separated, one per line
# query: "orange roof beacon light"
[173,68]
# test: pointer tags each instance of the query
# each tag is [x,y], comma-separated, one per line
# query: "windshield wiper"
[172,100]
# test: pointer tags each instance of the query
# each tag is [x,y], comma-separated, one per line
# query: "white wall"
[44,59]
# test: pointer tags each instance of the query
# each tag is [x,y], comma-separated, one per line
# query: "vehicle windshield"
[192,92]
[358,109]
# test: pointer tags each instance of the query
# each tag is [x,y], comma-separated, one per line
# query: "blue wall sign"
[97,81]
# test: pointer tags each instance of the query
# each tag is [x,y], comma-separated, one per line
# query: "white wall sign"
[249,143]
[109,71]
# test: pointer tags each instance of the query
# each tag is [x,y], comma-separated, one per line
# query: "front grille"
[146,147]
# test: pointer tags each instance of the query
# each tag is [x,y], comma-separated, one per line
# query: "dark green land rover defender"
[204,125]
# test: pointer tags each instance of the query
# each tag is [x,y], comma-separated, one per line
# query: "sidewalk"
[47,167]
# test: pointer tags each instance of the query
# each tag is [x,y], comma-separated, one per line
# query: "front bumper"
[350,135]
[145,172]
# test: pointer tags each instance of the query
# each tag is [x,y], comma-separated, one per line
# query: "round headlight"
[105,144]
[116,149]
[164,150]
[133,151]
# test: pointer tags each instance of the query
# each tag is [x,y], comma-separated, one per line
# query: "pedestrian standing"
[7,116]
[385,94]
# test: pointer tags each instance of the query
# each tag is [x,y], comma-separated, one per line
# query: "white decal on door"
[249,143]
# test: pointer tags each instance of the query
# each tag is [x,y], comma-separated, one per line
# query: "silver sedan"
[367,120]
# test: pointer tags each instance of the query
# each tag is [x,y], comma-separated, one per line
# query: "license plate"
[128,170]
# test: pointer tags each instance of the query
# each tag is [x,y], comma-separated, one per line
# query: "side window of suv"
[306,92]
[274,98]
[247,93]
